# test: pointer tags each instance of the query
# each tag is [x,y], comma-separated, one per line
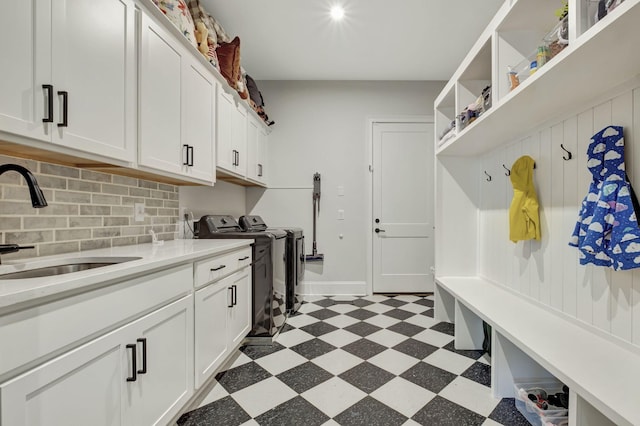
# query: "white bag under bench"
[530,340]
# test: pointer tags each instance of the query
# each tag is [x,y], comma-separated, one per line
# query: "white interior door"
[402,207]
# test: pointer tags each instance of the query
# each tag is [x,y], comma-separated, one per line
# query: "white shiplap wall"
[549,271]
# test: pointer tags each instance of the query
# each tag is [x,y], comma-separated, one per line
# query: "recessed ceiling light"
[337,13]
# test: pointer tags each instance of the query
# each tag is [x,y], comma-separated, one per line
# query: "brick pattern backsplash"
[87,210]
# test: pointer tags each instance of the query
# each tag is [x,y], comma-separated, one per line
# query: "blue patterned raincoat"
[607,231]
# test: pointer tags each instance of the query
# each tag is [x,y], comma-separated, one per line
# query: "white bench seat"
[599,369]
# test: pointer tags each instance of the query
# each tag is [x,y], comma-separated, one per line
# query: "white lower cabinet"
[223,320]
[112,380]
[240,315]
[131,353]
[159,393]
[211,327]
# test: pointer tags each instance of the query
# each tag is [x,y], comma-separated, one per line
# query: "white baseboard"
[333,288]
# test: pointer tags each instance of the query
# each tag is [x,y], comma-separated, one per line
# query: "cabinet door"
[93,60]
[160,99]
[25,27]
[160,392]
[226,106]
[211,306]
[239,321]
[263,137]
[252,149]
[240,139]
[198,100]
[81,387]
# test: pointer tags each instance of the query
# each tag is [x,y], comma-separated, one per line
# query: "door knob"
[378,230]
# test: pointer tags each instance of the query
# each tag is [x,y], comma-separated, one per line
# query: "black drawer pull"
[235,294]
[218,268]
[143,340]
[260,170]
[49,89]
[65,108]
[243,258]
[134,367]
[230,305]
[190,156]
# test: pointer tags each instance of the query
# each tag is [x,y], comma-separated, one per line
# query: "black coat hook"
[488,176]
[508,171]
[569,156]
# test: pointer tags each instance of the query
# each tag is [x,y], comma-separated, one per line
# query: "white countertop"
[152,258]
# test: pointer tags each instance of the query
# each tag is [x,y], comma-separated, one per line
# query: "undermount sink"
[39,269]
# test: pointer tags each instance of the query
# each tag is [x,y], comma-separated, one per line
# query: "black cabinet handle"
[65,108]
[243,258]
[143,340]
[190,156]
[237,158]
[235,294]
[49,89]
[185,162]
[259,170]
[218,268]
[134,367]
[234,157]
[231,303]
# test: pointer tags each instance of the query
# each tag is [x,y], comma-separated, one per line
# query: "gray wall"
[321,126]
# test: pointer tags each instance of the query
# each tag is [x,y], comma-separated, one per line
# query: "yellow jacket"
[524,220]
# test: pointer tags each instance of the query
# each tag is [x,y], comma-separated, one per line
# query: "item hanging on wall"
[524,219]
[607,231]
[315,256]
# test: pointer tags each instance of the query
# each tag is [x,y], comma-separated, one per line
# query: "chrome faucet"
[37,200]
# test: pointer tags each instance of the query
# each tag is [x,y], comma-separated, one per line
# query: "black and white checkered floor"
[374,360]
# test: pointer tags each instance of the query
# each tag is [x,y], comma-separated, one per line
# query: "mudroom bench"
[530,340]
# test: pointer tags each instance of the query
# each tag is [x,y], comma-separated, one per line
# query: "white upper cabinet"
[252,148]
[239,138]
[98,74]
[232,136]
[114,81]
[263,138]
[198,138]
[65,85]
[177,110]
[226,155]
[23,104]
[256,150]
[160,99]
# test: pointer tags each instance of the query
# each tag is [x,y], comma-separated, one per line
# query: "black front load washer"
[267,268]
[294,255]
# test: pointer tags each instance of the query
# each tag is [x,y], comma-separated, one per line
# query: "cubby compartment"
[534,399]
[523,39]
[473,88]
[594,11]
[445,116]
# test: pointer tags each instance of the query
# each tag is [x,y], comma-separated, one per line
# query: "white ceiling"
[377,39]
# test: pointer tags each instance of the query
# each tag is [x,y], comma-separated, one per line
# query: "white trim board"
[333,288]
